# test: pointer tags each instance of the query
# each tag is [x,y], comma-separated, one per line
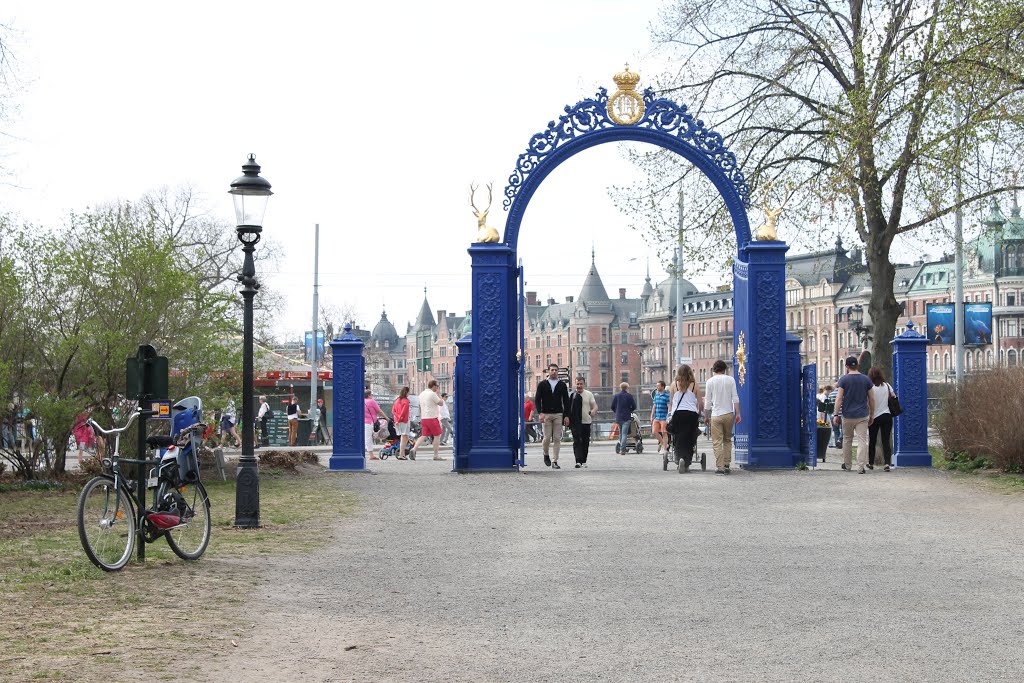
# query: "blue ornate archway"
[486,395]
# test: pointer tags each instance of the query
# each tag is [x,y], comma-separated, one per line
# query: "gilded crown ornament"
[626,105]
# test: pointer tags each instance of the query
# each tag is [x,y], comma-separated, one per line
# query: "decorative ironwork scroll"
[659,114]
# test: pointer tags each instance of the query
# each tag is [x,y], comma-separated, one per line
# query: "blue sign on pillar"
[759,275]
[463,391]
[348,386]
[910,380]
[492,372]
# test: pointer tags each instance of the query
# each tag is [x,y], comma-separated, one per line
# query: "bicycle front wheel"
[106,524]
[189,540]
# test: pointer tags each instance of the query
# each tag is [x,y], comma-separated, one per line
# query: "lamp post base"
[247,494]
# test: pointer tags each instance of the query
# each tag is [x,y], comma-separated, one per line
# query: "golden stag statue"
[483,233]
[767,231]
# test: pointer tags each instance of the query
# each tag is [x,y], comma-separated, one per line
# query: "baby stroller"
[392,442]
[635,438]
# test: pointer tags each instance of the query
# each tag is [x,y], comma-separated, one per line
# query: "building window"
[604,336]
[824,342]
[1011,328]
[559,361]
[581,335]
[581,358]
[812,343]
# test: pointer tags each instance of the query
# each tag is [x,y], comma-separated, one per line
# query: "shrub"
[983,423]
[92,466]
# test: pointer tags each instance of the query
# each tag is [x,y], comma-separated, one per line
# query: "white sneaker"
[661,451]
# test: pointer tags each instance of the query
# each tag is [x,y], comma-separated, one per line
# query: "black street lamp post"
[859,326]
[250,193]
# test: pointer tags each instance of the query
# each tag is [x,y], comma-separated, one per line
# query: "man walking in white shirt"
[721,412]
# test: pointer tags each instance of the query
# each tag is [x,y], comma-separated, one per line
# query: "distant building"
[611,340]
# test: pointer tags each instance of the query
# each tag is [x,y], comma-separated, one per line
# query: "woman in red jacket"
[400,414]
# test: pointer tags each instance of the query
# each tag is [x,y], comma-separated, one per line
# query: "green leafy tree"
[868,109]
[96,288]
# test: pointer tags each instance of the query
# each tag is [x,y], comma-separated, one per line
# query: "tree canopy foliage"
[868,109]
[76,301]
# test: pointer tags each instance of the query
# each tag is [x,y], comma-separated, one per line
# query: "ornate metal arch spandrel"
[661,115]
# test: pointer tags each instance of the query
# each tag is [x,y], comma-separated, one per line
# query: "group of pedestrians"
[435,421]
[676,413]
[862,410]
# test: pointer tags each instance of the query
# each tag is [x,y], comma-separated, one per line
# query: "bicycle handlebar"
[113,431]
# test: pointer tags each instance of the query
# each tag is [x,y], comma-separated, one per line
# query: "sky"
[369,119]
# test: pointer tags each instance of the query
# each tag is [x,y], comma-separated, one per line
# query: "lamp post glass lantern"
[250,193]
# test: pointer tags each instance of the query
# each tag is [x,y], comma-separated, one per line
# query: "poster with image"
[940,323]
[978,323]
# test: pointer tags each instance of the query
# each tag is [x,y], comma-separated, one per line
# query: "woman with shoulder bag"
[686,406]
[882,422]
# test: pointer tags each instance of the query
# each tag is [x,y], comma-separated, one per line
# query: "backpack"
[269,415]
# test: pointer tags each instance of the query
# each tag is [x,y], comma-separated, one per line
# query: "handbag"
[671,427]
[895,408]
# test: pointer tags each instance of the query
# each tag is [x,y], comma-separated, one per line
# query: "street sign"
[146,374]
[161,410]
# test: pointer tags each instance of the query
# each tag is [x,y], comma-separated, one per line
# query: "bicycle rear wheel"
[189,541]
[106,523]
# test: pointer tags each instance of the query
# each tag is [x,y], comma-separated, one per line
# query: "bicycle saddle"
[159,441]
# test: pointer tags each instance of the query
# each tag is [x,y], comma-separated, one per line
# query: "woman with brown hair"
[882,421]
[686,405]
[400,414]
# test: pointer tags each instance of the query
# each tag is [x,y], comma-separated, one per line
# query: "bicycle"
[109,524]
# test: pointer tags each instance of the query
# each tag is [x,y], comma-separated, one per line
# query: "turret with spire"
[593,289]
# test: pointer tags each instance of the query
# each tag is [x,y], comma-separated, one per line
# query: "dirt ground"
[66,620]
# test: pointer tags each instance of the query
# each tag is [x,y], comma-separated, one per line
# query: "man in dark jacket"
[552,405]
[623,404]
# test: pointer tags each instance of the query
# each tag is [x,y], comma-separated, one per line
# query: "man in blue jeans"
[623,404]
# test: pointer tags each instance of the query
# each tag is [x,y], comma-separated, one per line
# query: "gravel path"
[622,572]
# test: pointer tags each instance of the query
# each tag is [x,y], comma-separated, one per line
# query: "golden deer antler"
[481,216]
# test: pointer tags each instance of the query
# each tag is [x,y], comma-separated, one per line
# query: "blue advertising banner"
[978,323]
[940,323]
[319,345]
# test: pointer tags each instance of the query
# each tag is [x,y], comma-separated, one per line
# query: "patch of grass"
[1004,483]
[119,626]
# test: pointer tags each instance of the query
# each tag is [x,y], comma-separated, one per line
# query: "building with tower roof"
[610,339]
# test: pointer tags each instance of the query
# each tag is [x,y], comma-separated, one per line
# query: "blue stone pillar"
[348,385]
[492,373]
[463,392]
[910,380]
[793,395]
[763,439]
